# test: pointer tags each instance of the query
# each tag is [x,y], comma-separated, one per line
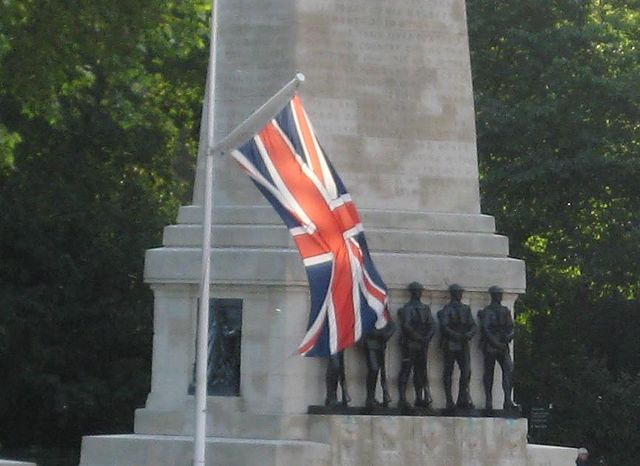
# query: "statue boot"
[447,392]
[346,399]
[331,401]
[386,397]
[423,397]
[464,398]
[427,396]
[488,404]
[331,381]
[488,394]
[402,393]
[371,401]
[508,405]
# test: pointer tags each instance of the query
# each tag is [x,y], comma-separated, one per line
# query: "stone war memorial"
[388,88]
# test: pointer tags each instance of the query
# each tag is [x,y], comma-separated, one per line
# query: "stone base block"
[226,418]
[336,440]
[15,463]
[547,455]
[237,425]
[165,450]
[424,441]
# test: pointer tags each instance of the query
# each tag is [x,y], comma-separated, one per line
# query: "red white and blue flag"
[290,168]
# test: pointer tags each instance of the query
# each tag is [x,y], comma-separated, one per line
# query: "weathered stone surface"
[273,379]
[166,450]
[388,88]
[378,440]
[345,441]
[547,455]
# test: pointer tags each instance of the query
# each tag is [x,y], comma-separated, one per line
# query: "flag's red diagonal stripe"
[309,246]
[308,137]
[351,207]
[344,215]
[302,188]
[343,298]
[355,249]
[310,344]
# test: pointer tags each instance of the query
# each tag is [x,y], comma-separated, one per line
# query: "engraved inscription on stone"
[403,75]
[388,90]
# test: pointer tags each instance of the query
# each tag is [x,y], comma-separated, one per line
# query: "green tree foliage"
[99,107]
[99,103]
[558,119]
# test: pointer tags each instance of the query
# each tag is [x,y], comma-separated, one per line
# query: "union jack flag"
[290,168]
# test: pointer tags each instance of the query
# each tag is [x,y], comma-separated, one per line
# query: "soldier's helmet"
[495,289]
[455,287]
[415,286]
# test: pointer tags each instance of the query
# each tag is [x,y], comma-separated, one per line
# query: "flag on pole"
[290,168]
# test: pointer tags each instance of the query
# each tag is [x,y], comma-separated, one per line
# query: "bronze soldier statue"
[457,327]
[375,345]
[497,332]
[416,330]
[335,375]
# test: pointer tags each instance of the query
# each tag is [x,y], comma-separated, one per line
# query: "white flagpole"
[202,338]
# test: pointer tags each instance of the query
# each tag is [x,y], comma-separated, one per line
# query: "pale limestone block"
[430,442]
[173,348]
[386,440]
[514,445]
[365,64]
[349,449]
[437,441]
[166,450]
[548,455]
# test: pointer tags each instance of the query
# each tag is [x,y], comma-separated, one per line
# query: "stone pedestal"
[338,441]
[381,441]
[255,260]
[548,455]
[166,450]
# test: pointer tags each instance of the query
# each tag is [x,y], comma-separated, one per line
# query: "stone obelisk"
[389,91]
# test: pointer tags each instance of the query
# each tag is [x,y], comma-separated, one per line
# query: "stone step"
[277,236]
[284,266]
[343,440]
[265,215]
[433,441]
[230,424]
[226,418]
[167,450]
[549,455]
